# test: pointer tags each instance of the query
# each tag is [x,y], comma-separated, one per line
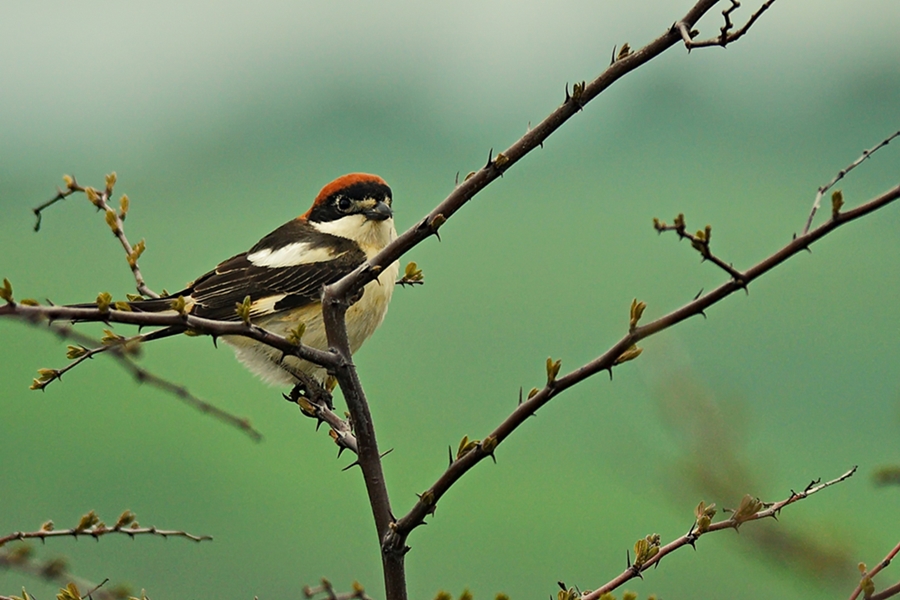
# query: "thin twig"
[114,219]
[726,36]
[840,175]
[888,592]
[142,375]
[868,575]
[326,590]
[111,343]
[187,322]
[100,530]
[689,539]
[700,242]
[314,402]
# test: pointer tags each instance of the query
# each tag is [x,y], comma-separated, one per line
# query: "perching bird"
[350,221]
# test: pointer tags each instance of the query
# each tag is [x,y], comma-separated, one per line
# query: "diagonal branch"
[691,537]
[699,241]
[888,592]
[609,359]
[840,175]
[142,375]
[336,298]
[111,342]
[497,165]
[868,575]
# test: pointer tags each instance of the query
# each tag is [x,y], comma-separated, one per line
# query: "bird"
[284,274]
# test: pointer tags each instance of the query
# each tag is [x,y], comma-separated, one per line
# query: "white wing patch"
[292,255]
[265,306]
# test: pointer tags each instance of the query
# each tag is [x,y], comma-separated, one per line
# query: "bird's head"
[357,207]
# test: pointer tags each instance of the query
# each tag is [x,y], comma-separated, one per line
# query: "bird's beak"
[379,212]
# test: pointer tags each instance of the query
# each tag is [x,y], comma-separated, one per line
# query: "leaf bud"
[104,299]
[6,292]
[552,369]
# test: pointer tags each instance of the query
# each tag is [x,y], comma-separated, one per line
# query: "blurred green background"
[223,121]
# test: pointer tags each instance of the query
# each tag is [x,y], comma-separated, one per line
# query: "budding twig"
[91,526]
[114,219]
[396,537]
[142,375]
[689,539]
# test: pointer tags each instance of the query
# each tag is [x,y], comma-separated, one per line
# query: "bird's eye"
[343,204]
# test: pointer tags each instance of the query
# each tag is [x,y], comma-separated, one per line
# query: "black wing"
[216,293]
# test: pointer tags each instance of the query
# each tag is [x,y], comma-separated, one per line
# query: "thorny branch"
[867,586]
[393,533]
[625,347]
[751,509]
[91,526]
[314,401]
[840,175]
[336,296]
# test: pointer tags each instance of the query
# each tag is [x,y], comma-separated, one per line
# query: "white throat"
[372,236]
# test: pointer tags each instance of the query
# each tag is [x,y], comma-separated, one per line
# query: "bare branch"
[534,138]
[840,175]
[537,398]
[734,522]
[726,35]
[111,342]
